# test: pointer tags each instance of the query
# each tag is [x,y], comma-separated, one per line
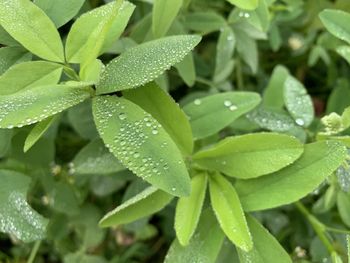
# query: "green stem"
[34,251]
[336,230]
[318,227]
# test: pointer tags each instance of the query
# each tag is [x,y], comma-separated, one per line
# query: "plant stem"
[318,227]
[34,251]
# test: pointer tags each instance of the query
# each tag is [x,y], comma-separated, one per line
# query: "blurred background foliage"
[240,50]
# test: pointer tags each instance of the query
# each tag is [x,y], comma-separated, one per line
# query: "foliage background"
[288,33]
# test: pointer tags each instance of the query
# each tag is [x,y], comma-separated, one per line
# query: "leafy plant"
[95,111]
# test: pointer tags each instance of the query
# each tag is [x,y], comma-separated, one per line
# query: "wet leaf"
[12,55]
[292,183]
[337,22]
[16,216]
[298,102]
[144,63]
[245,4]
[164,109]
[141,144]
[213,113]
[37,104]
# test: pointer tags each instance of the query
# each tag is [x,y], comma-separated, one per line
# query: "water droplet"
[227,103]
[233,108]
[197,102]
[154,131]
[122,116]
[300,122]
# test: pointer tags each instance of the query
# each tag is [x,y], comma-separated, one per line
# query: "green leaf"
[146,203]
[16,216]
[60,12]
[141,144]
[204,22]
[95,158]
[292,183]
[36,133]
[229,212]
[96,30]
[144,63]
[224,52]
[187,70]
[213,113]
[164,13]
[37,104]
[245,4]
[251,155]
[30,26]
[298,102]
[32,74]
[344,51]
[205,245]
[343,204]
[12,55]
[164,109]
[188,209]
[273,95]
[247,48]
[337,23]
[266,248]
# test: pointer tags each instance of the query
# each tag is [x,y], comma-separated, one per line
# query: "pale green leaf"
[298,102]
[213,113]
[96,30]
[144,63]
[292,183]
[27,75]
[16,216]
[205,245]
[245,4]
[92,71]
[247,48]
[12,55]
[188,209]
[266,248]
[337,22]
[37,104]
[36,133]
[60,12]
[229,212]
[146,203]
[141,144]
[30,26]
[164,109]
[95,158]
[251,155]
[273,94]
[164,13]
